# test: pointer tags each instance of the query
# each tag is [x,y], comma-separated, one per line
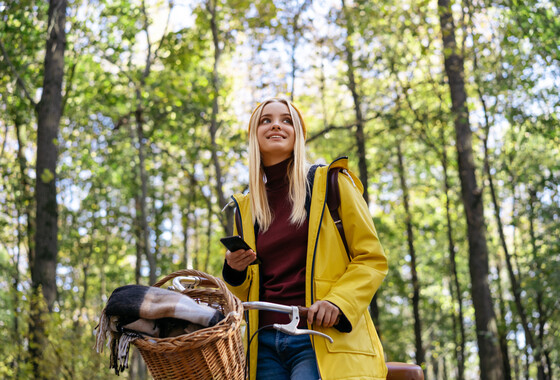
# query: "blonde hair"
[297,170]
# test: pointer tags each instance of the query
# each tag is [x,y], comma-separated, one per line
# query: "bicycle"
[218,352]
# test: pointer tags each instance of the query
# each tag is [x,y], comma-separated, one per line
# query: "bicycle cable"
[249,345]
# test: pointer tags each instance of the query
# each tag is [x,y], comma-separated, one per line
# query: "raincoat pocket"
[358,341]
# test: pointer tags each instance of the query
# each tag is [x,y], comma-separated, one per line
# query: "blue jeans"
[283,356]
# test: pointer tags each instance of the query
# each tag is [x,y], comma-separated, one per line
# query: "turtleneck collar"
[277,174]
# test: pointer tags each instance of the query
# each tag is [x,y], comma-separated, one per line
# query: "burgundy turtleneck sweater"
[282,249]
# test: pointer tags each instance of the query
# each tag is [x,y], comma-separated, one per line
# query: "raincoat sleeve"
[353,291]
[237,282]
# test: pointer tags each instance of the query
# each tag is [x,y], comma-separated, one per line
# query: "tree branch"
[18,78]
[420,116]
[122,120]
[328,129]
[149,55]
[340,127]
[4,140]
[164,30]
[177,160]
[68,85]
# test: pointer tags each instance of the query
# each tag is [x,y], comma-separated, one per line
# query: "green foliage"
[113,82]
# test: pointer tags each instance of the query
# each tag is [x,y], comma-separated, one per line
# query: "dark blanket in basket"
[134,311]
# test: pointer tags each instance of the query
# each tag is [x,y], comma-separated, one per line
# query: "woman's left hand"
[323,313]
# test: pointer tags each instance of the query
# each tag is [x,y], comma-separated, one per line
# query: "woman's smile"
[275,133]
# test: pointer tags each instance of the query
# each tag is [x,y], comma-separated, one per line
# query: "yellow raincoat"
[331,275]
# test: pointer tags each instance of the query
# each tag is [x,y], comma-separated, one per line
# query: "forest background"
[123,134]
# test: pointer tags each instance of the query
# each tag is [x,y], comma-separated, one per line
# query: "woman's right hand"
[241,259]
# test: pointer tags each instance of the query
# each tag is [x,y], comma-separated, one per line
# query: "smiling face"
[275,133]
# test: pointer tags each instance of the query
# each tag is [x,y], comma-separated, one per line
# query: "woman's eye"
[287,121]
[265,121]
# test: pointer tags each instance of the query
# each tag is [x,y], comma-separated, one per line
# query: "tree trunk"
[188,259]
[515,288]
[296,32]
[455,287]
[15,333]
[185,224]
[526,367]
[137,220]
[503,325]
[435,368]
[227,222]
[158,220]
[138,368]
[208,240]
[83,300]
[516,369]
[513,280]
[138,238]
[49,112]
[25,212]
[104,259]
[489,353]
[445,367]
[360,136]
[146,248]
[516,358]
[543,370]
[293,65]
[27,197]
[420,354]
[143,246]
[196,242]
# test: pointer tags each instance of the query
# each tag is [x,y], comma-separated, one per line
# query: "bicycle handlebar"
[294,311]
[269,306]
[181,283]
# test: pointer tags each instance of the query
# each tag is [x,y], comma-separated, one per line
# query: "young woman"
[303,260]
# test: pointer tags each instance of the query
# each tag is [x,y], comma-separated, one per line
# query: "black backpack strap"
[333,202]
[333,199]
[238,224]
[310,180]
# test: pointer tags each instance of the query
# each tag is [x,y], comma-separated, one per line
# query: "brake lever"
[287,330]
[290,328]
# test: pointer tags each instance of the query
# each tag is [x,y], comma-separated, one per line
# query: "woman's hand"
[323,313]
[241,259]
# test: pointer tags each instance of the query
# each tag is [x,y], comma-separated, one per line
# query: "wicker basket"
[212,353]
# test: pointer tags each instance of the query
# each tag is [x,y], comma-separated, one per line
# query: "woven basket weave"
[212,353]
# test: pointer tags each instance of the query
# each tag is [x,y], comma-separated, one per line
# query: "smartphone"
[235,243]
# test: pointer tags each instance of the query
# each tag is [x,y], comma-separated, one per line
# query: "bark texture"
[49,112]
[491,367]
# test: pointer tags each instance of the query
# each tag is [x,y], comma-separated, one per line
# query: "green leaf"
[47,176]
